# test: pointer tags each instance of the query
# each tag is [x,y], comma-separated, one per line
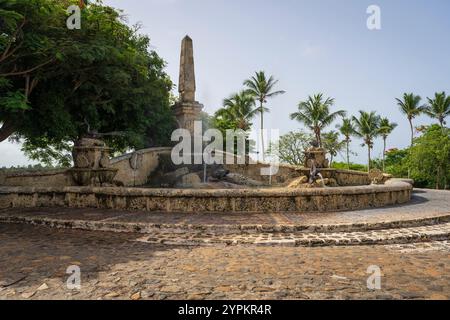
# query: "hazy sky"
[310,46]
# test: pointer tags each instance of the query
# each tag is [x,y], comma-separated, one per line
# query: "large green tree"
[347,129]
[238,110]
[291,148]
[262,88]
[386,128]
[333,144]
[430,157]
[367,127]
[59,85]
[439,107]
[315,113]
[410,106]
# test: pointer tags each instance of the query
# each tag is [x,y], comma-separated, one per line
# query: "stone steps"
[439,232]
[393,232]
[112,225]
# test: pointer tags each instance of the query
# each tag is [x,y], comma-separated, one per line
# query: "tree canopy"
[291,148]
[58,85]
[315,113]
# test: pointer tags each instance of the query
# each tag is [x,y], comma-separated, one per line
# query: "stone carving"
[376,176]
[92,164]
[316,156]
[136,161]
[187,110]
[186,85]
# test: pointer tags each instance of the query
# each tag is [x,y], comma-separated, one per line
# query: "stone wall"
[135,168]
[209,201]
[146,161]
[253,171]
[42,178]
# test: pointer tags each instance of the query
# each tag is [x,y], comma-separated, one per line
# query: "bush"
[353,166]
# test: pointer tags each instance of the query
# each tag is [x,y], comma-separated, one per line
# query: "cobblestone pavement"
[34,260]
[389,236]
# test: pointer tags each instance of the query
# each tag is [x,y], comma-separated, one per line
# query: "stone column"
[187,110]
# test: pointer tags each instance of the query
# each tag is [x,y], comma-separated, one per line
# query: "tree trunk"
[348,155]
[262,131]
[318,137]
[412,143]
[6,130]
[368,149]
[384,153]
[412,131]
[438,177]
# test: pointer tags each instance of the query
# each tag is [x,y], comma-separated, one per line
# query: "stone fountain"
[92,163]
[166,187]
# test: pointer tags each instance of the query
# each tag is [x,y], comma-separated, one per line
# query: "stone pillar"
[187,110]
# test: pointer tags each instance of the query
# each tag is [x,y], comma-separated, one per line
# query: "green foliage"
[430,158]
[411,108]
[396,162]
[49,154]
[102,78]
[353,166]
[291,148]
[439,107]
[428,161]
[347,129]
[410,105]
[333,144]
[237,112]
[367,127]
[262,88]
[316,115]
[386,128]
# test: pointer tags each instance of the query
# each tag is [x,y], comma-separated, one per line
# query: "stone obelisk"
[187,110]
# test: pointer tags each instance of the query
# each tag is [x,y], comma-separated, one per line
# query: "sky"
[309,46]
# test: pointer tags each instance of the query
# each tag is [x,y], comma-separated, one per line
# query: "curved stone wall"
[135,171]
[210,201]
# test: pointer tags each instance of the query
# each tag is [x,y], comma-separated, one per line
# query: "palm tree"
[410,106]
[240,109]
[367,127]
[315,114]
[439,108]
[333,144]
[347,129]
[386,128]
[262,89]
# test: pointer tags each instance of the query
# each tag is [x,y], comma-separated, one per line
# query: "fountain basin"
[87,177]
[210,201]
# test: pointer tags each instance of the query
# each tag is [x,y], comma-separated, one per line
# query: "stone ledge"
[209,201]
[276,192]
[140,152]
[113,225]
[35,173]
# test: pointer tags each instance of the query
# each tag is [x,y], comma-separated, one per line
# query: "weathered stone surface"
[187,110]
[242,180]
[298,182]
[316,157]
[186,84]
[376,176]
[214,272]
[242,200]
[190,179]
